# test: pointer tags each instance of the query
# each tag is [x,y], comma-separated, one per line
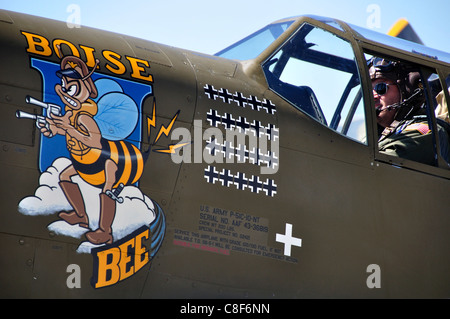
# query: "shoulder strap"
[389,130]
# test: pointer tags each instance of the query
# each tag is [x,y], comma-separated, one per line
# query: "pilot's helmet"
[406,76]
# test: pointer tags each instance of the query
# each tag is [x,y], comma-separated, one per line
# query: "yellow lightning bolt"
[151,121]
[172,148]
[165,130]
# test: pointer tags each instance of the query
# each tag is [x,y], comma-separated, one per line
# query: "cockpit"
[319,66]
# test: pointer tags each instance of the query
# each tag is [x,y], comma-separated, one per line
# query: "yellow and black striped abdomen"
[128,158]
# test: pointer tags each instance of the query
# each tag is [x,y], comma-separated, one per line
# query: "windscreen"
[251,46]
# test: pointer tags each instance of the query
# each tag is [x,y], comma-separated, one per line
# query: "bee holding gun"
[104,163]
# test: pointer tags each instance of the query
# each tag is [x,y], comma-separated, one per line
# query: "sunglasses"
[381,88]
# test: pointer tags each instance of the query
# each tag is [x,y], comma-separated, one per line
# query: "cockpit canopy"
[315,64]
[253,45]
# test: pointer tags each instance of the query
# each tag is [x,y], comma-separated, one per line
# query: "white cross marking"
[288,240]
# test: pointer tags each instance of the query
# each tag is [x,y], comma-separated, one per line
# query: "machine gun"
[40,120]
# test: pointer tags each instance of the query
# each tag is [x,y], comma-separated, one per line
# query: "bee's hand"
[62,122]
[47,127]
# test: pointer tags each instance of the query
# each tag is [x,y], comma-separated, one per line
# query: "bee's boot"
[73,195]
[103,235]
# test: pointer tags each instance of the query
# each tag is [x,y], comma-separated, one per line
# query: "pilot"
[401,113]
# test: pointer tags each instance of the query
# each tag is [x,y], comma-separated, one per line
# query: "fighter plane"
[132,169]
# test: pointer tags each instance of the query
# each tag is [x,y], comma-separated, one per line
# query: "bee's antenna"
[92,71]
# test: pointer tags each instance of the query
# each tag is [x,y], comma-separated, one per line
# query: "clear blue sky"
[209,25]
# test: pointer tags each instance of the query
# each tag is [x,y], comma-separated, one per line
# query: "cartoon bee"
[95,139]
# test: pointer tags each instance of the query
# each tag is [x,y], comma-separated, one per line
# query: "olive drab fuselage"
[190,175]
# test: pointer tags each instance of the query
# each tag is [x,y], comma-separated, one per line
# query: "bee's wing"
[117,114]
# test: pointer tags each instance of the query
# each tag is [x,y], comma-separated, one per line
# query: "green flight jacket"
[413,140]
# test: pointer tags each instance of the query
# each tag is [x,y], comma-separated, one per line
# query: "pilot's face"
[384,98]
